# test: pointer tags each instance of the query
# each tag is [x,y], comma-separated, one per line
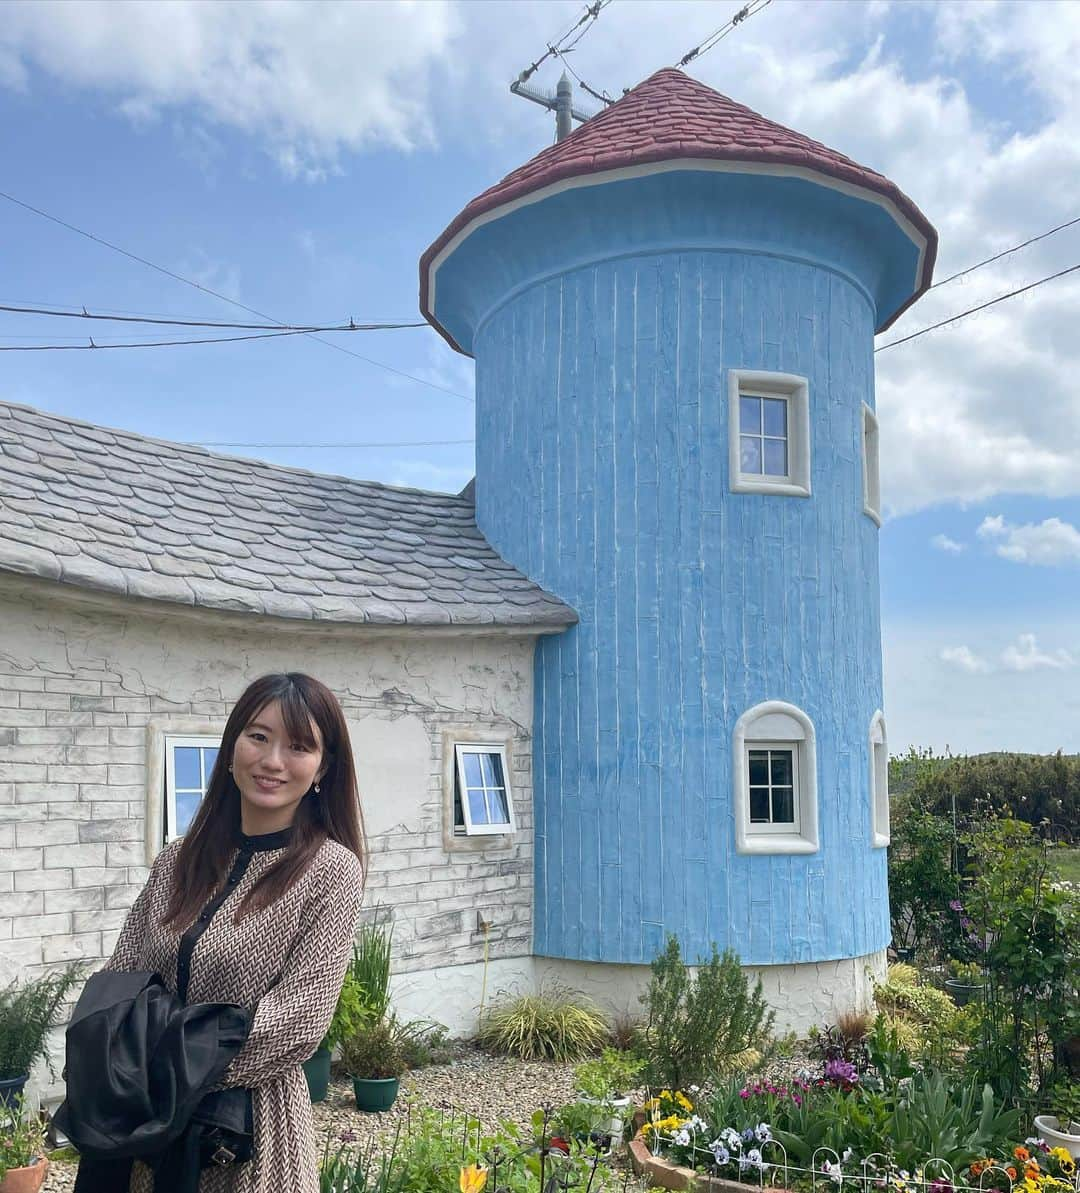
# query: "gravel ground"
[487,1087]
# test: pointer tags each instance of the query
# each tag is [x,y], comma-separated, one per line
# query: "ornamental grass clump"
[28,1012]
[700,1026]
[556,1023]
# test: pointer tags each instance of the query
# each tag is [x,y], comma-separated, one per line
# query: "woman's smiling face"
[273,772]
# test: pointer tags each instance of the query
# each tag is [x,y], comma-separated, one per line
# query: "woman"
[257,905]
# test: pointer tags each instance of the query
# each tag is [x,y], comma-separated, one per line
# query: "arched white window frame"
[774,723]
[871,476]
[880,831]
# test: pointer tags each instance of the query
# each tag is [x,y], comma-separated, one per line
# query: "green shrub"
[374,1050]
[556,1023]
[424,1043]
[698,1026]
[612,1075]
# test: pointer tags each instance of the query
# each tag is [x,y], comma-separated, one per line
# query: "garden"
[963,1074]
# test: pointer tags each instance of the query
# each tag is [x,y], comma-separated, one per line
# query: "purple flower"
[956,905]
[744,1093]
[840,1071]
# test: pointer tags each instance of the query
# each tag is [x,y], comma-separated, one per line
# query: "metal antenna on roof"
[561,103]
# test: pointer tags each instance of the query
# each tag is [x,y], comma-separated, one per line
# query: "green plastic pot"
[375,1094]
[317,1071]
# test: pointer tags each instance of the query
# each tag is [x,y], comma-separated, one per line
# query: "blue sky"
[299,157]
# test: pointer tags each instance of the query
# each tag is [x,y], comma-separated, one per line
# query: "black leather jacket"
[140,1069]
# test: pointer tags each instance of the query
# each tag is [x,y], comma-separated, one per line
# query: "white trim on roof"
[706,165]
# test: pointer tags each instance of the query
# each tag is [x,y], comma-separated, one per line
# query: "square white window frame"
[200,730]
[880,826]
[461,750]
[757,384]
[871,469]
[792,748]
[172,742]
[775,724]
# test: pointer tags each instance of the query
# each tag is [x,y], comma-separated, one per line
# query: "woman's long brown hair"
[334,813]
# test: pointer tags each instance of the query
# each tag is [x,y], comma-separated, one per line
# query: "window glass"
[473,774]
[189,765]
[783,806]
[775,416]
[188,768]
[750,416]
[775,457]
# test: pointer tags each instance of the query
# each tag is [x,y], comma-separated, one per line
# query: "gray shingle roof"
[115,511]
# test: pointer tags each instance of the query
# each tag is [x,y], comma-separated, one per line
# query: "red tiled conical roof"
[673,116]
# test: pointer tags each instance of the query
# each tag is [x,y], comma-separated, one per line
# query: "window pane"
[495,762]
[477,807]
[759,768]
[783,805]
[759,805]
[209,758]
[776,457]
[775,416]
[749,454]
[487,770]
[497,806]
[473,776]
[187,804]
[780,765]
[750,416]
[186,762]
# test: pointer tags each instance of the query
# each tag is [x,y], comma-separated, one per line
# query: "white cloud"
[964,658]
[308,80]
[942,542]
[1050,543]
[1025,655]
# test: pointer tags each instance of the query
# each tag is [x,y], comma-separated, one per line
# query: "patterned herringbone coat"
[285,964]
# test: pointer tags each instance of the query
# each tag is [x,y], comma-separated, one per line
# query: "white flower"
[732,1139]
[695,1089]
[720,1153]
[697,1123]
[763,1133]
[846,1156]
[833,1171]
[681,1138]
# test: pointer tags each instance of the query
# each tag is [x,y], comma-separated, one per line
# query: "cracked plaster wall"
[79,687]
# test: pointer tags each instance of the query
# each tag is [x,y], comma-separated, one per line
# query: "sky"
[297,157]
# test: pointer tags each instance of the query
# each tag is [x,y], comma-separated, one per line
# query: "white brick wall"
[78,688]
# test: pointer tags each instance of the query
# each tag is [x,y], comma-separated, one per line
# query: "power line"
[214,293]
[92,347]
[592,11]
[718,35]
[306,327]
[416,443]
[981,307]
[1005,252]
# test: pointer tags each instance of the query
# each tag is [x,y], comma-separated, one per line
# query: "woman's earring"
[230,770]
[317,788]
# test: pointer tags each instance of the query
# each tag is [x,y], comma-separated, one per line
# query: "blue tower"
[672,313]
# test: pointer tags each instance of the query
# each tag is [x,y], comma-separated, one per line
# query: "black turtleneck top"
[247,847]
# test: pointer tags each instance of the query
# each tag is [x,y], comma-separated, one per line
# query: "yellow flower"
[472,1179]
[684,1101]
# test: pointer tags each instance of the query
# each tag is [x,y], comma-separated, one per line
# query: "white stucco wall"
[85,687]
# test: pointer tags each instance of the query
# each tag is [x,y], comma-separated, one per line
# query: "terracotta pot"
[25,1180]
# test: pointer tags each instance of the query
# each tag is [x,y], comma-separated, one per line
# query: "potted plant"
[965,982]
[349,1014]
[23,1164]
[607,1081]
[365,995]
[28,1012]
[585,1121]
[1063,1128]
[374,1058]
